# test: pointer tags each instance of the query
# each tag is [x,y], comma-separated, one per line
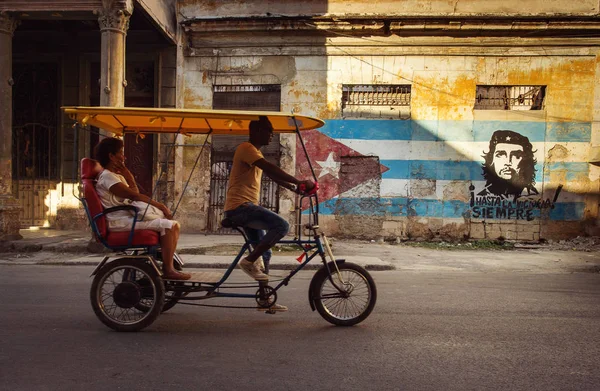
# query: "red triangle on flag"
[325,155]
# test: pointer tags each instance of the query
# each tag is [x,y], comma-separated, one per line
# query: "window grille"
[247,97]
[376,101]
[248,88]
[376,95]
[263,97]
[510,97]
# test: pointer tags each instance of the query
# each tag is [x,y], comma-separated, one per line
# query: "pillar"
[9,206]
[113,27]
[114,23]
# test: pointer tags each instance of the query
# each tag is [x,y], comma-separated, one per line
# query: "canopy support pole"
[74,178]
[305,152]
[193,169]
[163,167]
[316,206]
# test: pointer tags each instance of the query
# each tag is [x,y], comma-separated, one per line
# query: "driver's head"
[261,131]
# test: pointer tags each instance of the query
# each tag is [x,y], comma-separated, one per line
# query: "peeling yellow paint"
[447,94]
[571,83]
[557,153]
[192,100]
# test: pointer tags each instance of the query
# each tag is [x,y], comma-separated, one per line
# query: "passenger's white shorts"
[158,225]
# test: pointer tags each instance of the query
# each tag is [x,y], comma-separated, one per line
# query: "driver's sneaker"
[274,308]
[252,269]
[260,263]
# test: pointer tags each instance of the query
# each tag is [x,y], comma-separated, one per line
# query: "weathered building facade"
[461,119]
[421,99]
[80,52]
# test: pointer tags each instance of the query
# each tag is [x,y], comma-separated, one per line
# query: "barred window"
[510,97]
[376,101]
[257,97]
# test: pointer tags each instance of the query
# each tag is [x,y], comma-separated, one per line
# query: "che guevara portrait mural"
[509,173]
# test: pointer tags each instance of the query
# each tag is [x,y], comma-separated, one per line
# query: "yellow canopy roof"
[153,120]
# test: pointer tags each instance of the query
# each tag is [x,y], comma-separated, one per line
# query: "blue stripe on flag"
[573,170]
[433,130]
[449,170]
[534,131]
[404,207]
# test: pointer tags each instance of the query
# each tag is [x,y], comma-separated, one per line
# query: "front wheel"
[118,290]
[353,303]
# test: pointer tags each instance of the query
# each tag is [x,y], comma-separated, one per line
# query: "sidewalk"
[52,247]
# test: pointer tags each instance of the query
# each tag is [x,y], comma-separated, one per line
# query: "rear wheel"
[120,287]
[170,299]
[355,301]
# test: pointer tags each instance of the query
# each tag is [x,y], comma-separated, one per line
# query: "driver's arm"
[279,176]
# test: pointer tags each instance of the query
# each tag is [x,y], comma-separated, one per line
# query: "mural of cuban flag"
[436,168]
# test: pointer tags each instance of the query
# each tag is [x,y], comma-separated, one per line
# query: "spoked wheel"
[170,299]
[350,306]
[120,287]
[145,304]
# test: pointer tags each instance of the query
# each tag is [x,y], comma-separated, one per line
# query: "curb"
[194,265]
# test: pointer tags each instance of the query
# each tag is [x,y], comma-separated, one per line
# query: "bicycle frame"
[315,246]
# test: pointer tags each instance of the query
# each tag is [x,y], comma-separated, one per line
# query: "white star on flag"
[329,166]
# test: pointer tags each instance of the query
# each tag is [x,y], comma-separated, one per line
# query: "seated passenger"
[116,186]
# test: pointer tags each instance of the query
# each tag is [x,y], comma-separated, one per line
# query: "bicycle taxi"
[128,292]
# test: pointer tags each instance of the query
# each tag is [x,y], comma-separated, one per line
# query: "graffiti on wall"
[509,172]
[424,175]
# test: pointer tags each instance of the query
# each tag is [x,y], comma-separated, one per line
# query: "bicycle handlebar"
[302,189]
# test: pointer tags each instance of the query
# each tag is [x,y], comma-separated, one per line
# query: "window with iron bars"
[257,97]
[376,101]
[510,97]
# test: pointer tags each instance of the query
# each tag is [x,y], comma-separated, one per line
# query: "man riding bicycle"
[241,204]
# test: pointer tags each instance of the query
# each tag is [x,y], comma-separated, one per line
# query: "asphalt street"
[430,330]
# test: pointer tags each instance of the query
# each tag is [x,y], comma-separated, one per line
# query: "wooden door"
[140,151]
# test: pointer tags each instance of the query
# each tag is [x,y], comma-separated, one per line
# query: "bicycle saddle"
[227,223]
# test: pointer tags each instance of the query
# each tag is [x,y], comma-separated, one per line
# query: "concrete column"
[113,27]
[9,207]
[114,23]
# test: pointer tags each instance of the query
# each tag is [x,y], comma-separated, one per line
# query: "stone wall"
[428,180]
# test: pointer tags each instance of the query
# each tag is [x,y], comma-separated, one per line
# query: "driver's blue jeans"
[261,225]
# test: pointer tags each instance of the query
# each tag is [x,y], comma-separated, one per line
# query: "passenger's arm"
[122,190]
[123,170]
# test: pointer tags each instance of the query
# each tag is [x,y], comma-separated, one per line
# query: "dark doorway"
[240,97]
[35,137]
[139,150]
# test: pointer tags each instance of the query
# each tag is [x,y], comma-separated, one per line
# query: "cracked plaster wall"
[443,96]
[303,90]
[444,81]
[443,90]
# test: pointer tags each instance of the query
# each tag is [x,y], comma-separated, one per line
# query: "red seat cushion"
[143,237]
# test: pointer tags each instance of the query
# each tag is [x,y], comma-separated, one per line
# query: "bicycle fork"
[329,253]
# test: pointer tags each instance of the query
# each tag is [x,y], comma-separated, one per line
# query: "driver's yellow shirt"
[244,179]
